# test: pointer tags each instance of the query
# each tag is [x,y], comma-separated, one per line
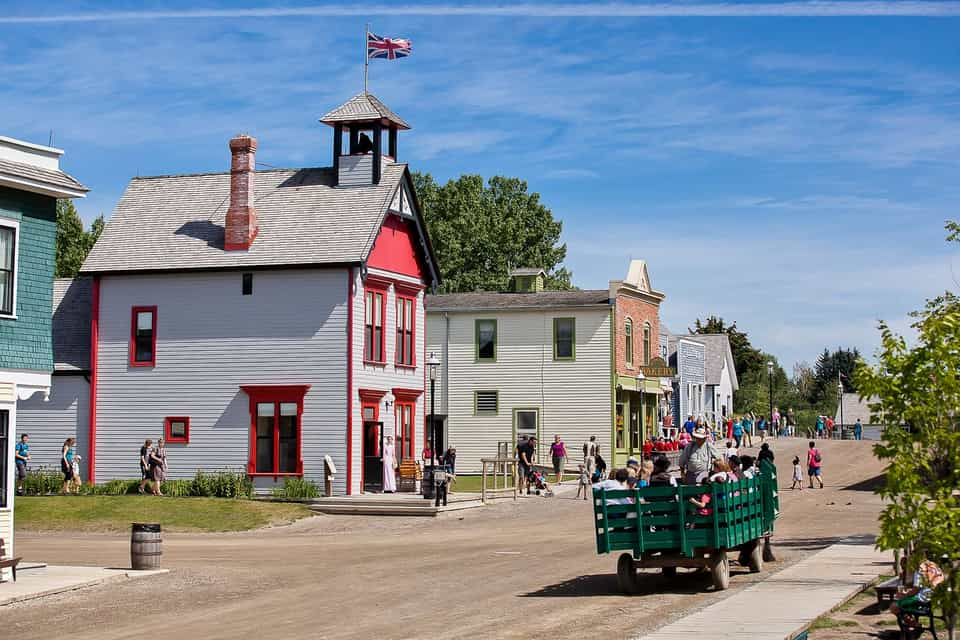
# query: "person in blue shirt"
[748,430]
[737,431]
[820,427]
[22,456]
[690,425]
[858,430]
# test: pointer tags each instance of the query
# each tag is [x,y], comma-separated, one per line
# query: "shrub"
[297,488]
[221,484]
[42,481]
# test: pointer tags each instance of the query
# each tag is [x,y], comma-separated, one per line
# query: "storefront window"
[619,436]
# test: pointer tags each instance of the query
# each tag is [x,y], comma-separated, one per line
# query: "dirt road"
[516,570]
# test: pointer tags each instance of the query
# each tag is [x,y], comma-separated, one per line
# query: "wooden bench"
[6,562]
[409,474]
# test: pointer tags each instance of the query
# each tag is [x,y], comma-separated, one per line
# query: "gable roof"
[493,301]
[71,324]
[716,350]
[361,108]
[175,223]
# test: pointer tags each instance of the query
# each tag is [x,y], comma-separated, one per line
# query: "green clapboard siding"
[26,342]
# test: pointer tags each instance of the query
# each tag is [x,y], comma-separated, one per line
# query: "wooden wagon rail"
[503,471]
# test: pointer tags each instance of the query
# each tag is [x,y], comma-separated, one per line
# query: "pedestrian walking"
[814,463]
[590,452]
[583,484]
[747,429]
[145,463]
[66,463]
[797,474]
[737,431]
[558,454]
[76,480]
[526,452]
[858,430]
[690,424]
[829,427]
[158,466]
[820,426]
[791,423]
[21,454]
[698,457]
[389,460]
[775,421]
[762,428]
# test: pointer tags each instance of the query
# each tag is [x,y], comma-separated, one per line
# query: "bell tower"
[364,119]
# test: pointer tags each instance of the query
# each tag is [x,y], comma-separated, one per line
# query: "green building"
[30,184]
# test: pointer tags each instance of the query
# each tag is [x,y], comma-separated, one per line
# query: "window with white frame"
[8,269]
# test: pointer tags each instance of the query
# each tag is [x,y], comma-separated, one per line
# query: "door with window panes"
[526,425]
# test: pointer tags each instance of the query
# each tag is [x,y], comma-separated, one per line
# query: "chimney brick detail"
[240,228]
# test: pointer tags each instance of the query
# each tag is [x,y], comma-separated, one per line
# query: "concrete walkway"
[788,601]
[45,581]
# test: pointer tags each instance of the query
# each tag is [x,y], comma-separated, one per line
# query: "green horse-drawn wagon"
[660,528]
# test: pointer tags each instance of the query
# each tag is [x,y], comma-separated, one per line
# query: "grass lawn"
[115,513]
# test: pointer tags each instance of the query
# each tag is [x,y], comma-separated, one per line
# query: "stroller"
[539,482]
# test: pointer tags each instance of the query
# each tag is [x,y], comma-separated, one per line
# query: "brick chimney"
[241,223]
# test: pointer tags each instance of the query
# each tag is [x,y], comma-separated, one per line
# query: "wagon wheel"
[627,574]
[720,570]
[669,572]
[910,628]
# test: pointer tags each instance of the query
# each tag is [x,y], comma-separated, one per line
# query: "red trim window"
[405,417]
[276,429]
[176,429]
[375,310]
[406,317]
[143,337]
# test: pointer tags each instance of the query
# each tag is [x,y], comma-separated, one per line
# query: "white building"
[720,375]
[532,363]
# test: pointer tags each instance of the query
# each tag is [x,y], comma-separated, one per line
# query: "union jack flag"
[389,48]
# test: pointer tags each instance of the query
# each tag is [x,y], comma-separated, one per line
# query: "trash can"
[427,485]
[146,546]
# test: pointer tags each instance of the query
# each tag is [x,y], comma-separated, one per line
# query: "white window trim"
[15,225]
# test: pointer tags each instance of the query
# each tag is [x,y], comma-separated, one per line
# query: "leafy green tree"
[73,243]
[918,401]
[829,364]
[480,231]
[746,358]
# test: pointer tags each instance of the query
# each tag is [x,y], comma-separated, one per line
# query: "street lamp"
[433,362]
[770,381]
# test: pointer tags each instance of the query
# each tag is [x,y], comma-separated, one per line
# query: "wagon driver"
[697,458]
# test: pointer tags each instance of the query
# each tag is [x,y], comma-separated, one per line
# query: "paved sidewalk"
[36,583]
[785,603]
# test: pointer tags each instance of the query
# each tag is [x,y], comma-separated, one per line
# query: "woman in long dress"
[389,464]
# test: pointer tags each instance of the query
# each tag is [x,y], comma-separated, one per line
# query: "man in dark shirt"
[525,454]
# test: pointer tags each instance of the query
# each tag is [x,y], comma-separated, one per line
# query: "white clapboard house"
[261,320]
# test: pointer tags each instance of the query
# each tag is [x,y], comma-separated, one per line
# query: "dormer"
[363,119]
[527,280]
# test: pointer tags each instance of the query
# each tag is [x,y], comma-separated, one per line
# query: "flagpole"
[366,58]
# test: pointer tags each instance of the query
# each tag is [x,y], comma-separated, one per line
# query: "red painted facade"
[394,249]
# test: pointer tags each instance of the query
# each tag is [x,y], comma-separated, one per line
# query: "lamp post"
[433,362]
[840,401]
[770,382]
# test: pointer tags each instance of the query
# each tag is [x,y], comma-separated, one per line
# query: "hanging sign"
[658,369]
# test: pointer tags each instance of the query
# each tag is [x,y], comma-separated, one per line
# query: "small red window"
[406,311]
[143,337]
[176,429]
[375,305]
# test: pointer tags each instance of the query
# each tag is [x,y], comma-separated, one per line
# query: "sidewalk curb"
[125,575]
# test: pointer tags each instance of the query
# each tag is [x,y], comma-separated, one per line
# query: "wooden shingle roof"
[364,107]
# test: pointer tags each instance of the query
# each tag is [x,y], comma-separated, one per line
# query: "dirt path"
[517,570]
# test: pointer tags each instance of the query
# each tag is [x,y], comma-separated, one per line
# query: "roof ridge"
[201,174]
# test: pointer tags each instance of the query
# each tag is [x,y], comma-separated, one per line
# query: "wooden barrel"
[146,546]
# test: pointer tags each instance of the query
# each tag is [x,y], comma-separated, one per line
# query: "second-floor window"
[564,338]
[405,341]
[373,326]
[486,340]
[143,337]
[628,341]
[646,343]
[8,269]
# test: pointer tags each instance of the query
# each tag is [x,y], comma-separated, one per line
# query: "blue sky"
[789,172]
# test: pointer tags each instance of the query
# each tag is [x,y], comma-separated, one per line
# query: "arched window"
[628,338]
[646,343]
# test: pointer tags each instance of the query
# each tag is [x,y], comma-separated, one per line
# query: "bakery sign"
[658,369]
